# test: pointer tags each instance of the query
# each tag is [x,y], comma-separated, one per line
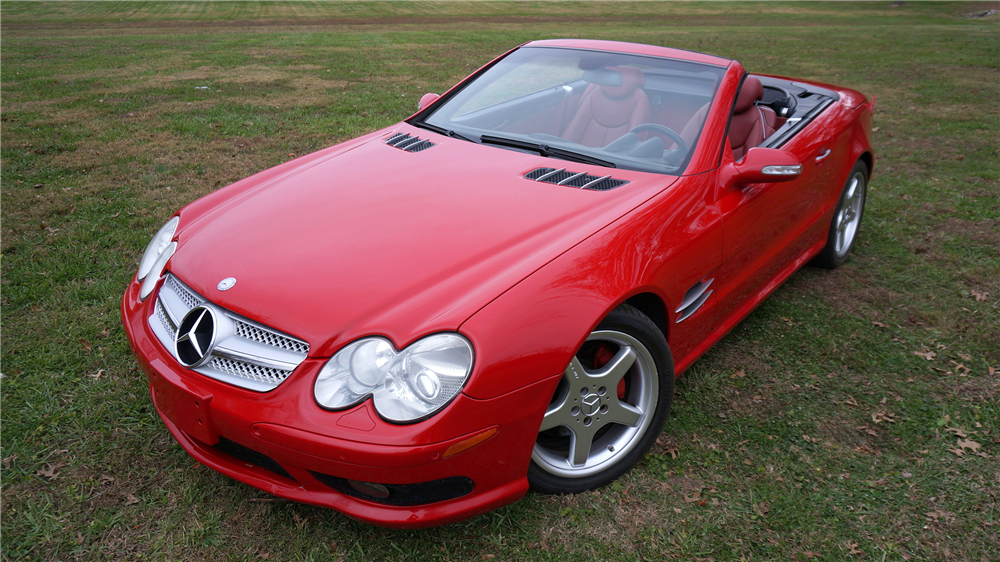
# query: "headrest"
[751,91]
[632,79]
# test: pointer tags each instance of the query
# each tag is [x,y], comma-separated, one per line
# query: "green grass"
[772,452]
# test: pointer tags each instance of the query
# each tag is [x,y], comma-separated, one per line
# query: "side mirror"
[426,100]
[768,165]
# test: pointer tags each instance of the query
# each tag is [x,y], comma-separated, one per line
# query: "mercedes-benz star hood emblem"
[227,283]
[195,337]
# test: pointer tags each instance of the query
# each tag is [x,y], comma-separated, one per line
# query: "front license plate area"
[189,411]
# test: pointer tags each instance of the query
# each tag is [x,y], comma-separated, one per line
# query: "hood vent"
[408,143]
[583,180]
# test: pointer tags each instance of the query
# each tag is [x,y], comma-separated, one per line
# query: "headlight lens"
[156,247]
[405,385]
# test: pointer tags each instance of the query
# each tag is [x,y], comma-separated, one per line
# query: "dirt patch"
[849,291]
[985,232]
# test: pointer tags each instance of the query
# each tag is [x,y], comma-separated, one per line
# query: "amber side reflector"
[469,443]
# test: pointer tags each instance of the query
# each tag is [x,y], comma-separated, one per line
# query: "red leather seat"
[751,123]
[608,112]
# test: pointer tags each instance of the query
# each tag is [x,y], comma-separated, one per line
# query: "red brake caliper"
[602,355]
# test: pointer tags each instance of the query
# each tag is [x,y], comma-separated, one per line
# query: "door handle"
[823,154]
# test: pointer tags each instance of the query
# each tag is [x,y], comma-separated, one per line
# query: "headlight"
[156,247]
[405,385]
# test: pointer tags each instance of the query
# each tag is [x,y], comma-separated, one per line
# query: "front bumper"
[283,443]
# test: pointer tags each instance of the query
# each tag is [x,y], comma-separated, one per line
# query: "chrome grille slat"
[164,318]
[188,296]
[270,338]
[249,371]
[248,354]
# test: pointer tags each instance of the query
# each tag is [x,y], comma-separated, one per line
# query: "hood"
[378,240]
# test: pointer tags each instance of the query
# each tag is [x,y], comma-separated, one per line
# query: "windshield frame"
[560,145]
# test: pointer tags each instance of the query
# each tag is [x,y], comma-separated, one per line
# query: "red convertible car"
[415,326]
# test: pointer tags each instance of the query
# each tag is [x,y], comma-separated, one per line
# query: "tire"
[623,376]
[846,220]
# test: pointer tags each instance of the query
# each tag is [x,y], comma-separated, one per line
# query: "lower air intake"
[405,494]
[248,455]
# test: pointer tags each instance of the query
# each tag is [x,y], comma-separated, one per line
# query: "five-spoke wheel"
[608,408]
[846,219]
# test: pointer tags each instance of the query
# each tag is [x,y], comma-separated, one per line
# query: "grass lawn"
[854,416]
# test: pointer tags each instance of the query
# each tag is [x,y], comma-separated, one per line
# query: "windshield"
[619,110]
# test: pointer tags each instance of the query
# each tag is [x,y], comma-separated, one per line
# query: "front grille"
[247,354]
[408,143]
[420,493]
[583,180]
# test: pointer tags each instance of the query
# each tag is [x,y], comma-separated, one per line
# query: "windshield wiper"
[547,151]
[441,131]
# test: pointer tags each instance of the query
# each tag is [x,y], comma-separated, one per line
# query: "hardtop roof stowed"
[632,48]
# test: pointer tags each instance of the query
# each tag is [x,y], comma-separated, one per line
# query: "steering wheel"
[681,145]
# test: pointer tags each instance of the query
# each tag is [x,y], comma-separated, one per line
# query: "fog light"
[370,489]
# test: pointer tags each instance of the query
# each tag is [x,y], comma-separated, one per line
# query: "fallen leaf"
[131,500]
[880,324]
[8,461]
[738,374]
[958,432]
[934,516]
[107,479]
[810,554]
[879,417]
[851,402]
[980,295]
[811,439]
[867,430]
[677,510]
[968,444]
[906,474]
[928,355]
[97,376]
[695,497]
[990,371]
[748,462]
[958,452]
[852,548]
[51,470]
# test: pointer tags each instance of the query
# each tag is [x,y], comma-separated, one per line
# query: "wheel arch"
[654,308]
[869,159]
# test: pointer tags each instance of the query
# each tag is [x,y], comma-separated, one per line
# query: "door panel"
[767,225]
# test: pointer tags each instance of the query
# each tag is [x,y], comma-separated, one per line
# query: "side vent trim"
[408,143]
[695,297]
[582,180]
